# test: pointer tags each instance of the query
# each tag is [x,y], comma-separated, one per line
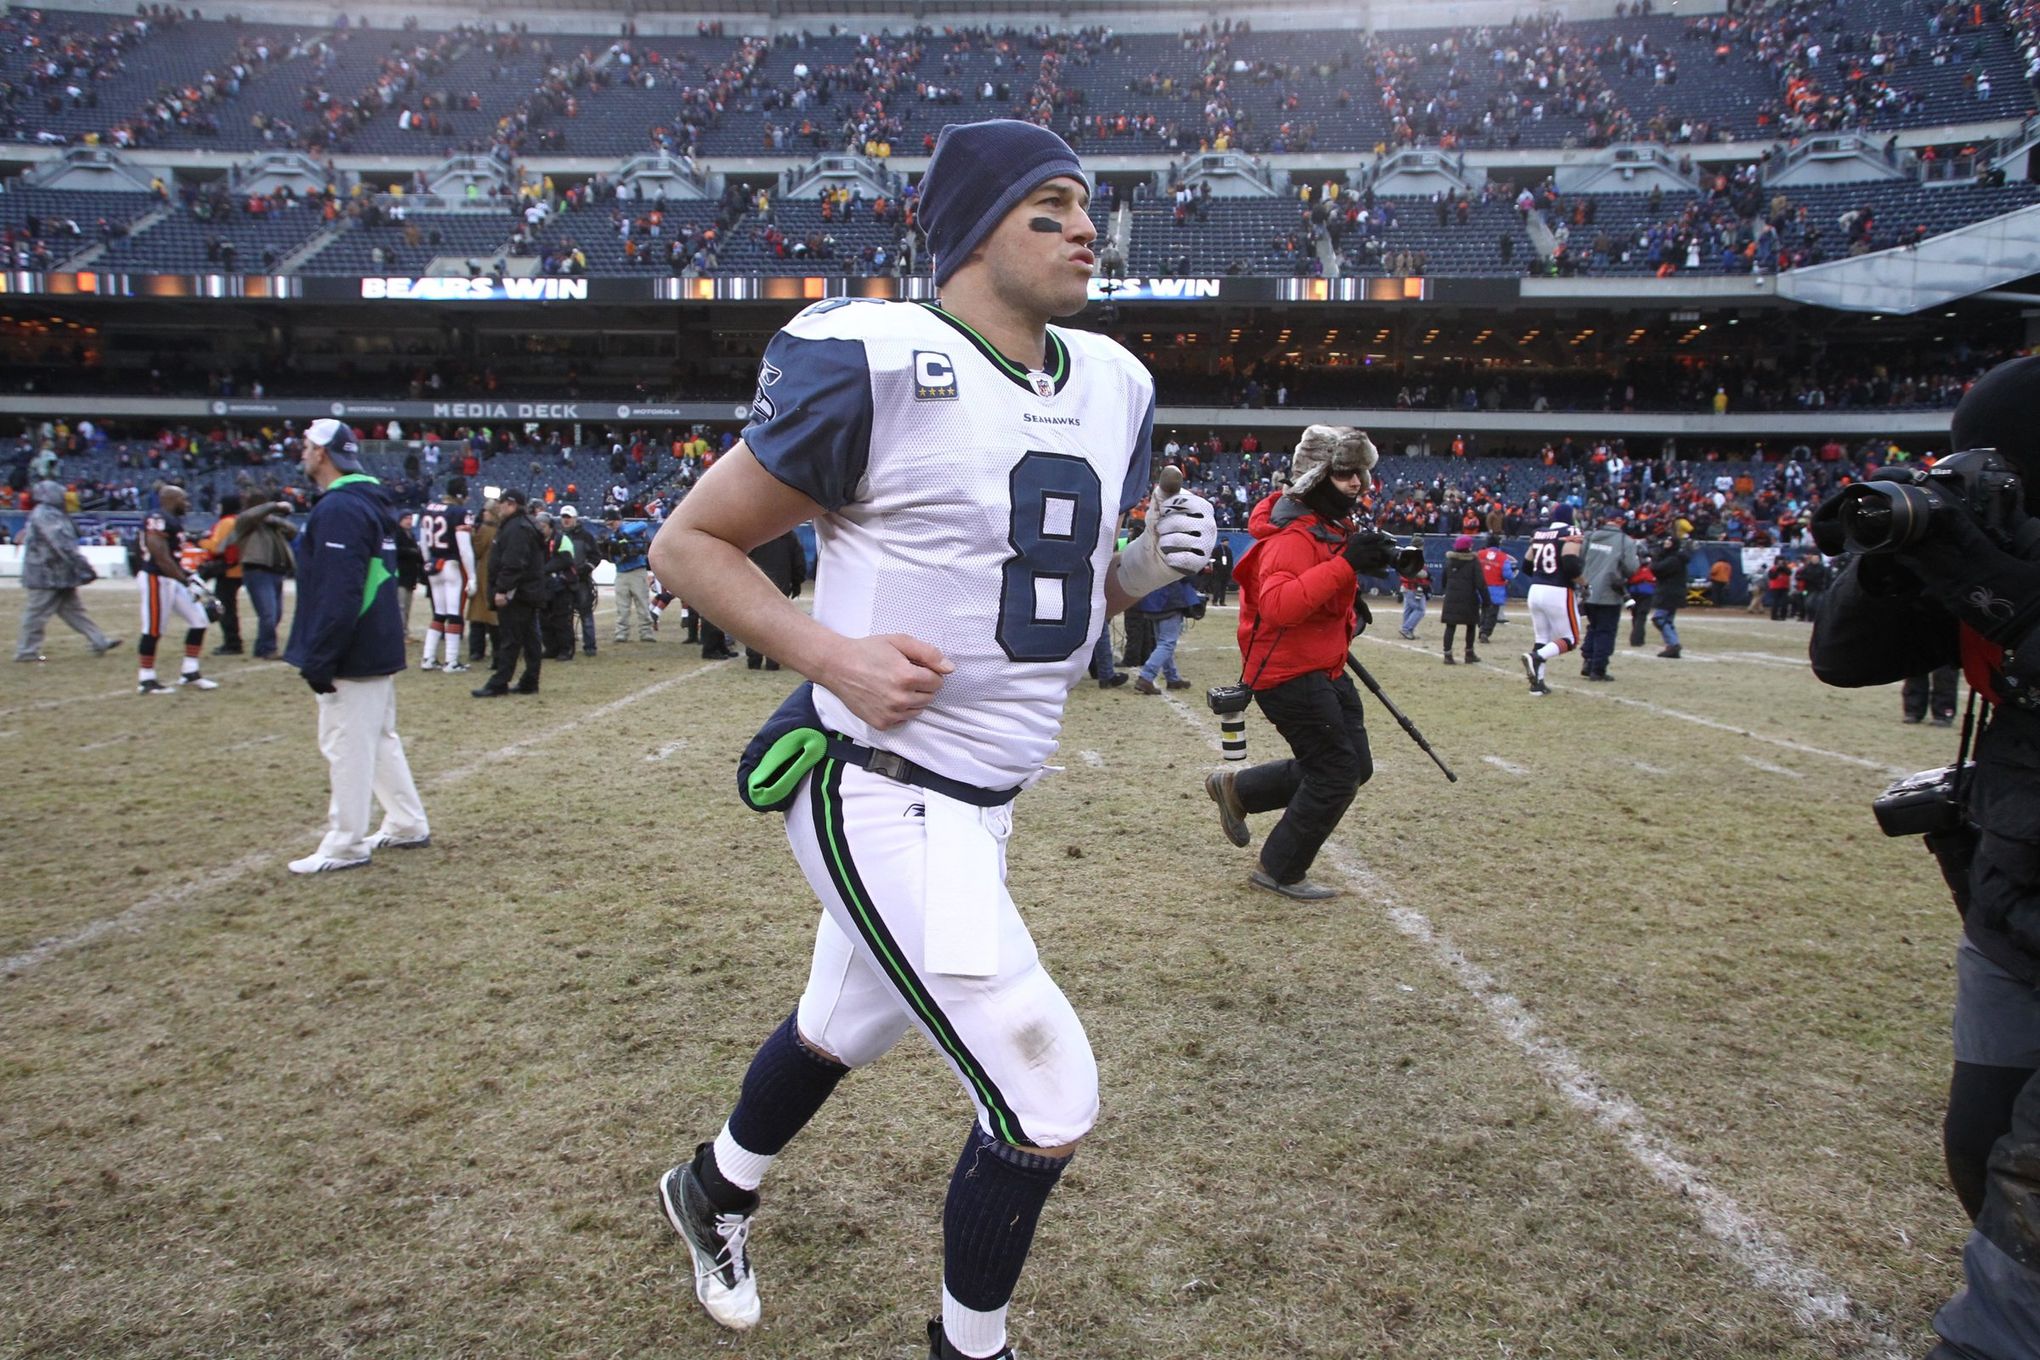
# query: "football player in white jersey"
[1551,563]
[966,466]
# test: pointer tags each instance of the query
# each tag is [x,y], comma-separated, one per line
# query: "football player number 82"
[1045,586]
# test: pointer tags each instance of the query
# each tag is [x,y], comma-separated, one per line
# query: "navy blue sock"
[786,1084]
[995,1199]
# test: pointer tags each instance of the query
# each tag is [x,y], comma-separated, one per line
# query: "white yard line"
[42,705]
[1649,768]
[1506,766]
[665,752]
[1768,768]
[1601,693]
[137,917]
[1813,1298]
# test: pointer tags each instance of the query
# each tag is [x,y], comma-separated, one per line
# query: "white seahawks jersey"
[973,505]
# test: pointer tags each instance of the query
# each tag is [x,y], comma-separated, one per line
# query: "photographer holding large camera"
[1944,568]
[1299,611]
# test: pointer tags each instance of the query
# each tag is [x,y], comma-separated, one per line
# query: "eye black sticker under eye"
[1047,225]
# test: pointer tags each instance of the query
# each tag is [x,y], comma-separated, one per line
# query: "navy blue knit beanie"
[978,172]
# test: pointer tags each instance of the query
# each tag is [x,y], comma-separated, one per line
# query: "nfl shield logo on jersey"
[1044,386]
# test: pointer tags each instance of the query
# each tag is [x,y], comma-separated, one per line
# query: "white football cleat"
[722,1267]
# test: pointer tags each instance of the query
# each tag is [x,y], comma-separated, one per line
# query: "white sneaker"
[722,1267]
[454,668]
[323,864]
[383,840]
[428,665]
[196,681]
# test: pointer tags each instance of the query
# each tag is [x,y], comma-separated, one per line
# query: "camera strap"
[1969,730]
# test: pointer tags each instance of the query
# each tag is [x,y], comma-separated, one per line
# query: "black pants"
[516,635]
[1639,617]
[1221,584]
[1322,721]
[1140,641]
[584,609]
[1469,638]
[479,634]
[1603,621]
[1939,685]
[556,623]
[228,591]
[1490,613]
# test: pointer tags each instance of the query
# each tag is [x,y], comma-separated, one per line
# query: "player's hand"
[467,592]
[1185,531]
[887,679]
[320,684]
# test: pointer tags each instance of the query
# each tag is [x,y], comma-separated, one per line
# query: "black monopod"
[1353,662]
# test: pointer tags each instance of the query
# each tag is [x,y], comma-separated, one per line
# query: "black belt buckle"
[886,763]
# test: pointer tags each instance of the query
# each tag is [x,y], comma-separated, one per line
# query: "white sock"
[148,673]
[972,1332]
[1544,655]
[431,645]
[739,1166]
[190,666]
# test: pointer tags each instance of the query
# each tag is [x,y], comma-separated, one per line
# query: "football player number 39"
[1045,591]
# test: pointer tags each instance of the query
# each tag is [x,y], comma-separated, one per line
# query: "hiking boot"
[1232,814]
[1450,660]
[1473,658]
[1143,685]
[1115,680]
[1671,653]
[722,1267]
[1303,890]
[1179,683]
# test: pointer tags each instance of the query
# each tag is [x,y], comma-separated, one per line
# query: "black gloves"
[320,684]
[1961,569]
[1369,552]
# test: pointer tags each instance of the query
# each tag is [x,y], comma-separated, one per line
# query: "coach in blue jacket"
[347,640]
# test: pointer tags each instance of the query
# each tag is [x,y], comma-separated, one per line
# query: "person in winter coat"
[481,606]
[1300,608]
[347,641]
[1166,608]
[1669,568]
[1611,561]
[52,569]
[1465,596]
[517,589]
[1415,585]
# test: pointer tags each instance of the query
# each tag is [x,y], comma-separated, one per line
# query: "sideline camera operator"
[1299,612]
[1945,568]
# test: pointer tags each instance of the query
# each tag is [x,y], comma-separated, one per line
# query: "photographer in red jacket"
[1299,587]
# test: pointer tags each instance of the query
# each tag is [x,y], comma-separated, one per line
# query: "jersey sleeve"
[811,418]
[1139,464]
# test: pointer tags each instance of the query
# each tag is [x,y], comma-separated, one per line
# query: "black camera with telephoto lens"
[1900,506]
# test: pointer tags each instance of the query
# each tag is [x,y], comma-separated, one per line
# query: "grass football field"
[1631,1043]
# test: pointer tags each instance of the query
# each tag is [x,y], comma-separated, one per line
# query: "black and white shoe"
[383,840]
[152,687]
[196,681]
[940,1349]
[716,1240]
[1534,668]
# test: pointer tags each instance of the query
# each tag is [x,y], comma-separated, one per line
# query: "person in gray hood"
[52,569]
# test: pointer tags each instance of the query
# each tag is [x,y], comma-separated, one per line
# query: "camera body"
[1225,699]
[1926,803]
[1901,506]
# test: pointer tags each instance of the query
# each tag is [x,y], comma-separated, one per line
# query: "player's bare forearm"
[700,554]
[1117,600]
[718,581]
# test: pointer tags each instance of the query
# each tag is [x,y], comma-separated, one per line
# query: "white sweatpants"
[358,737]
